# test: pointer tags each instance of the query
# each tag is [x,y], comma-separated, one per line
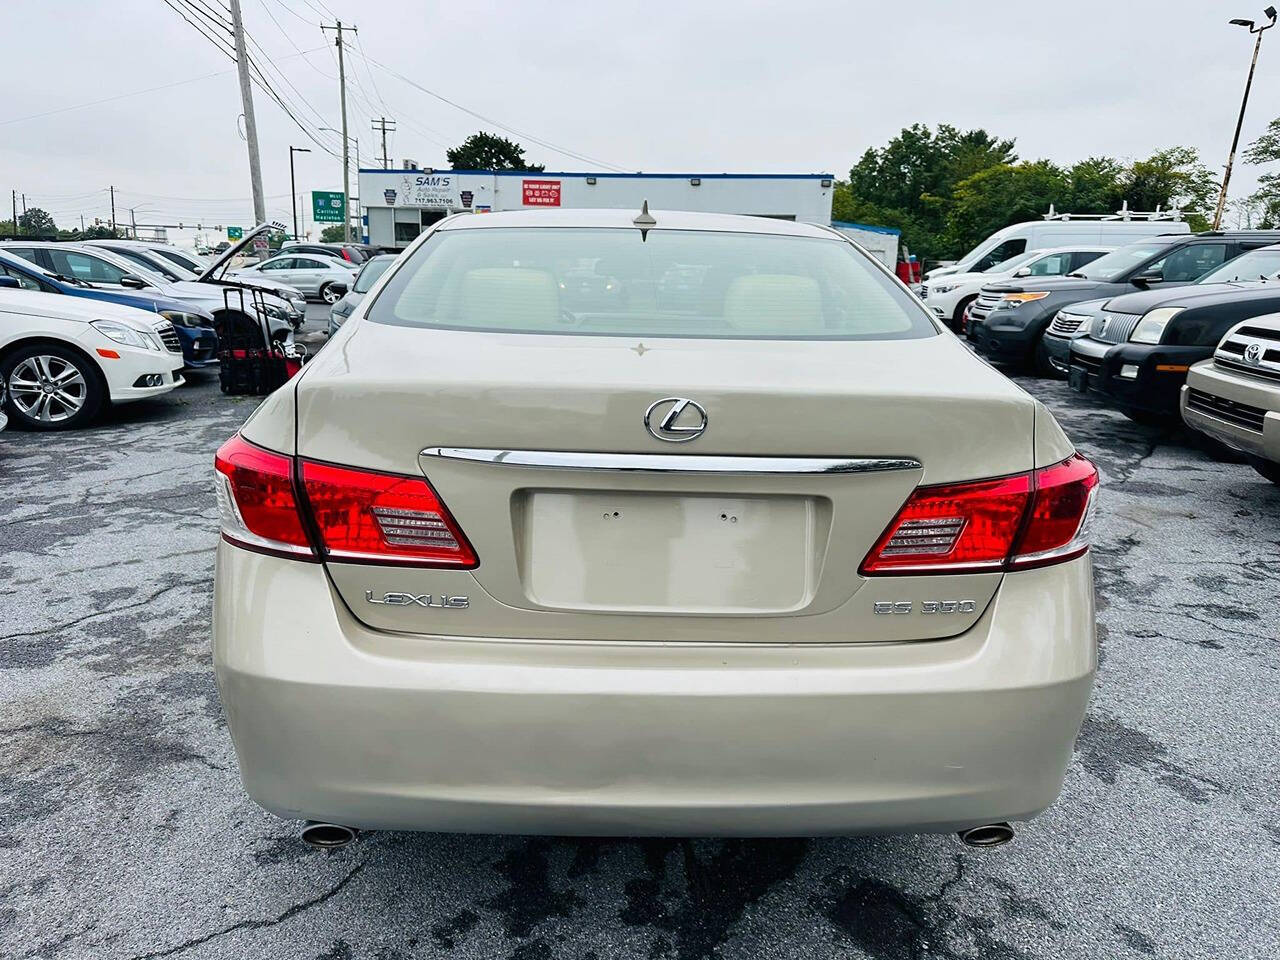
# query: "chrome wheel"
[329,294]
[48,388]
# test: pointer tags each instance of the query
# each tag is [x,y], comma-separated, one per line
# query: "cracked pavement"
[124,831]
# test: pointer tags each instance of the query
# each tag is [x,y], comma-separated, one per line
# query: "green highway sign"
[235,233]
[326,206]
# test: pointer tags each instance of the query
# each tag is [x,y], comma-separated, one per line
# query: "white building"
[397,204]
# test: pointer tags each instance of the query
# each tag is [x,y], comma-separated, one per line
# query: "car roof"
[665,220]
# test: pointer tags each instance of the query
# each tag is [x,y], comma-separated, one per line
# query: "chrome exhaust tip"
[987,835]
[327,836]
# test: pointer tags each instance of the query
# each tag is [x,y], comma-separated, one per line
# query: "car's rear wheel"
[1268,468]
[52,387]
[328,294]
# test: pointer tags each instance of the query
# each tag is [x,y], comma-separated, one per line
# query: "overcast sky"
[738,86]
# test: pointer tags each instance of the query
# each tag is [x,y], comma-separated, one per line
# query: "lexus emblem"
[675,419]
[1253,353]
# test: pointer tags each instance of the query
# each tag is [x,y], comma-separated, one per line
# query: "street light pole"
[1270,13]
[345,199]
[293,190]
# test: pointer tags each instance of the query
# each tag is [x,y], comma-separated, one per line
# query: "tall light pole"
[293,190]
[342,95]
[250,123]
[1270,13]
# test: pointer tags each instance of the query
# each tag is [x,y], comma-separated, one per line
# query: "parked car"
[1046,234]
[365,279]
[1008,320]
[1139,349]
[63,358]
[353,253]
[1235,396]
[949,296]
[314,275]
[193,324]
[655,571]
[285,303]
[1075,321]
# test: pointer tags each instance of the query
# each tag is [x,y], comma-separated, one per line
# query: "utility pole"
[113,207]
[24,204]
[293,190]
[250,124]
[1244,102]
[383,124]
[16,231]
[134,222]
[346,143]
[82,224]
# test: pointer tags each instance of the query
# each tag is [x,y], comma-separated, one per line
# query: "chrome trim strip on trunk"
[673,463]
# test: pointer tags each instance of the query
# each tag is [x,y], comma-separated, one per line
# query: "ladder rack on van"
[1124,213]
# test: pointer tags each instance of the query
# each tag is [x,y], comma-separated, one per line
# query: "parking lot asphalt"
[124,831]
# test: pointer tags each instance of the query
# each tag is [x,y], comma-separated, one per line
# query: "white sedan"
[63,358]
[313,274]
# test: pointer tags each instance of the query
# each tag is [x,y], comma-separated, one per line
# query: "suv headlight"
[1011,300]
[942,287]
[121,333]
[179,319]
[1150,328]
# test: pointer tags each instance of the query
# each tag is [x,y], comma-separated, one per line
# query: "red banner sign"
[541,193]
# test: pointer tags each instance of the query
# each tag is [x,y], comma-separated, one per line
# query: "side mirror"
[338,287]
[1023,272]
[133,282]
[9,283]
[1147,279]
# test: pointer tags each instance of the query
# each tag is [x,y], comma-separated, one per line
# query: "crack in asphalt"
[67,624]
[288,914]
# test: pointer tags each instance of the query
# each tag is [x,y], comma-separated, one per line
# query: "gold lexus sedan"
[596,523]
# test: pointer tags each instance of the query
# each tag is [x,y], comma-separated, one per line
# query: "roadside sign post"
[235,233]
[326,206]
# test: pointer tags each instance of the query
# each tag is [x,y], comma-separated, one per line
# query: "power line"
[526,136]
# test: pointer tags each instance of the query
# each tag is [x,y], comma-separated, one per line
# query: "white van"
[1043,234]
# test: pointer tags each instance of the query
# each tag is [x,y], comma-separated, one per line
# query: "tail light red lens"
[382,517]
[257,501]
[273,503]
[1026,520]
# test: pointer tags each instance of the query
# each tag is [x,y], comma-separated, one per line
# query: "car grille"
[1114,327]
[985,303]
[1092,364]
[169,336]
[1251,350]
[924,291]
[1240,414]
[1066,324]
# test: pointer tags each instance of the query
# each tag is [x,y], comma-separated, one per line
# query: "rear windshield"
[668,283]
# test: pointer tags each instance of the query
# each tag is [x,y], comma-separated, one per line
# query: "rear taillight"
[1008,523]
[257,500]
[382,518]
[269,502]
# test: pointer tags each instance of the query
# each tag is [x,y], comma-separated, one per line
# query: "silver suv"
[1235,396]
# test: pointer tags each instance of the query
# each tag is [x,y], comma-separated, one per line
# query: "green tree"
[1094,186]
[1174,177]
[332,234]
[485,151]
[998,196]
[1262,207]
[36,222]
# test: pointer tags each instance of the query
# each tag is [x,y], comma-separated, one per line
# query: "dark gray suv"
[1010,317]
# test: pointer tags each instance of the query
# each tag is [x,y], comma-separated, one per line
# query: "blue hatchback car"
[193,325]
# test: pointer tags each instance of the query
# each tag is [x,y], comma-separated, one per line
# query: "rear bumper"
[336,722]
[1238,389]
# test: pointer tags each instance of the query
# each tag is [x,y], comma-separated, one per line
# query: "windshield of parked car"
[1255,265]
[1112,266]
[660,283]
[370,273]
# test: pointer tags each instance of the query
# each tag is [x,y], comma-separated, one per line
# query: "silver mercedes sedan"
[671,523]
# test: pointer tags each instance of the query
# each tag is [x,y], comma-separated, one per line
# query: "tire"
[957,318]
[329,295]
[1267,468]
[52,387]
[1040,362]
[1147,418]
